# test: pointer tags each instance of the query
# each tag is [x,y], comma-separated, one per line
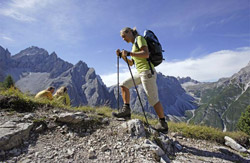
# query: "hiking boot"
[162,126]
[123,113]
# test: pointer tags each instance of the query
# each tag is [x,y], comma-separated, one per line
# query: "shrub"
[8,82]
[244,121]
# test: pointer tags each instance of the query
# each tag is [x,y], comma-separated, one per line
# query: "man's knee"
[124,88]
[153,100]
[156,104]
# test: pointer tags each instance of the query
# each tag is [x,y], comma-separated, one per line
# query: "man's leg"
[162,125]
[125,112]
[151,89]
[125,95]
[159,110]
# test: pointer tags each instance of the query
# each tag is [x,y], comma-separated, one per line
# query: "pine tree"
[244,121]
[8,82]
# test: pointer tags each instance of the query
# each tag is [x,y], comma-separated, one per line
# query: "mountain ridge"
[222,102]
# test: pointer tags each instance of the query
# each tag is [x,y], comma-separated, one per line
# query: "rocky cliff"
[4,62]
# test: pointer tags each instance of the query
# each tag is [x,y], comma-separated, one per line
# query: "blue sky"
[203,39]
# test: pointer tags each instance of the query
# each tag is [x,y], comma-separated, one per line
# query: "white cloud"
[23,10]
[111,79]
[7,38]
[55,16]
[211,67]
[17,15]
[23,3]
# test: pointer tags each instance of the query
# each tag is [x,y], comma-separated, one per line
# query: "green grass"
[187,130]
[207,133]
[30,99]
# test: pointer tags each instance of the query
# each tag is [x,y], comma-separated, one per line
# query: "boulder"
[165,159]
[12,134]
[71,117]
[234,145]
[154,147]
[135,128]
[168,145]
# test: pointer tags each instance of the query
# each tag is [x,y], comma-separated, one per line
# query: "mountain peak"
[33,50]
[1,48]
[4,54]
[183,80]
[53,55]
[81,63]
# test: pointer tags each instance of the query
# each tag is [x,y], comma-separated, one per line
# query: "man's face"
[52,90]
[124,36]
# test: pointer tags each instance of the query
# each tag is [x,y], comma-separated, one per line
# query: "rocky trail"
[57,135]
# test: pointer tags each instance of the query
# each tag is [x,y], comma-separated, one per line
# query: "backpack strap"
[136,44]
[152,72]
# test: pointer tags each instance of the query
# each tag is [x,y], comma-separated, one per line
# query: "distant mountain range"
[34,69]
[222,102]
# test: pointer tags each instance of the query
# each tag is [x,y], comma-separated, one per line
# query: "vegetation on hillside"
[233,113]
[8,82]
[244,121]
[222,105]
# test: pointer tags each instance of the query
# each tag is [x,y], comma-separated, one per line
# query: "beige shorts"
[148,82]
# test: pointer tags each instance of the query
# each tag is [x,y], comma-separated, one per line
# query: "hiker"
[46,93]
[139,55]
[62,96]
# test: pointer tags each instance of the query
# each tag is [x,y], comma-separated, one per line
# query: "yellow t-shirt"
[140,63]
[44,94]
[64,99]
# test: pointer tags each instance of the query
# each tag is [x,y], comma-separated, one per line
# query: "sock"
[162,119]
[127,105]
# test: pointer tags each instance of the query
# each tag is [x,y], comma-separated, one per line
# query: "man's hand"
[118,52]
[124,53]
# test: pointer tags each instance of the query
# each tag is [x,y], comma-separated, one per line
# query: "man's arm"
[143,53]
[130,62]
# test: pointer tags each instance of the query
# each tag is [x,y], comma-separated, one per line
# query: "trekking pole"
[118,94]
[137,92]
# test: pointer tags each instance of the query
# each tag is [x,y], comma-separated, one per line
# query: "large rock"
[135,128]
[71,117]
[168,145]
[234,145]
[165,159]
[12,134]
[149,144]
